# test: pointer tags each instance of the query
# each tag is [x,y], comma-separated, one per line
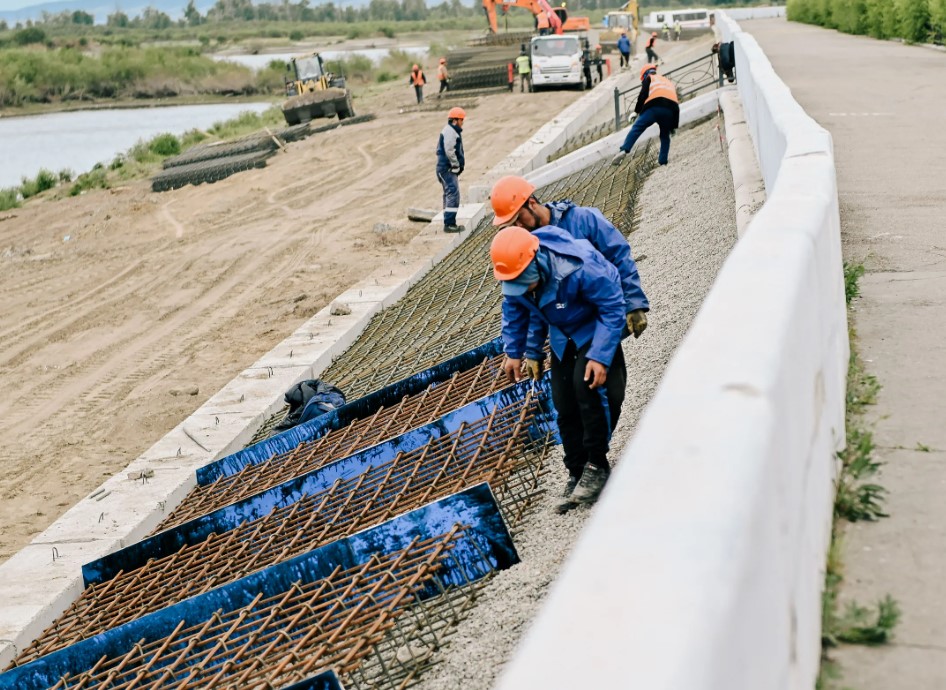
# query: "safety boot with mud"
[619,158]
[570,486]
[589,487]
[453,228]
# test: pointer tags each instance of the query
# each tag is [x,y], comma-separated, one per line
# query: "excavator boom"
[534,6]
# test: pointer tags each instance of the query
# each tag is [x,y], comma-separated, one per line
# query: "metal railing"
[695,76]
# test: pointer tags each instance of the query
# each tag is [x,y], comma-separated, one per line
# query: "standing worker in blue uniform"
[624,47]
[514,203]
[657,104]
[450,164]
[562,289]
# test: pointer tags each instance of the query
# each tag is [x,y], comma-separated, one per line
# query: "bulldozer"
[626,19]
[311,92]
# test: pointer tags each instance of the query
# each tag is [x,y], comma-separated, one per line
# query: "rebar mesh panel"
[497,449]
[413,411]
[333,622]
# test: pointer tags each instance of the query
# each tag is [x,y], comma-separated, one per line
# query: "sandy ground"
[123,310]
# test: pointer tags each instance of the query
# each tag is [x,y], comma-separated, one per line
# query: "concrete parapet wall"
[704,563]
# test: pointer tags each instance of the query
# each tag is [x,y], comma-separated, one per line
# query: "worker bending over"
[514,203]
[657,104]
[563,290]
[450,164]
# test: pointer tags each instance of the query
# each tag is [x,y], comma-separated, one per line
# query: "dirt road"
[123,310]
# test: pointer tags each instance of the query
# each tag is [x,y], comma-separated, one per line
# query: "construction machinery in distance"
[625,19]
[313,93]
[559,21]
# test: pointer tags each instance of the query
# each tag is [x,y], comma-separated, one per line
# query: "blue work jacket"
[580,300]
[450,149]
[587,223]
[624,44]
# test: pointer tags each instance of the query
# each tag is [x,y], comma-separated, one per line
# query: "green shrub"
[29,35]
[45,179]
[915,21]
[386,31]
[94,179]
[914,18]
[296,35]
[9,198]
[383,77]
[66,175]
[165,145]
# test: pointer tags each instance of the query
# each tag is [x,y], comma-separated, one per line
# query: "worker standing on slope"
[624,47]
[524,69]
[450,163]
[562,289]
[657,104]
[443,76]
[417,80]
[514,203]
[651,53]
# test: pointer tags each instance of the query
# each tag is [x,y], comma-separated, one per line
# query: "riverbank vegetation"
[139,161]
[914,21]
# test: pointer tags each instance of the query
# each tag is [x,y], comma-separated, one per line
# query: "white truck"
[556,60]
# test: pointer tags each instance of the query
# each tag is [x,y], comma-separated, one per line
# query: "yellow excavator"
[625,19]
[311,92]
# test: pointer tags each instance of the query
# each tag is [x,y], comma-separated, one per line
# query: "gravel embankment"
[686,230]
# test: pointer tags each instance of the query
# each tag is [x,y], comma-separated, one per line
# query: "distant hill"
[100,9]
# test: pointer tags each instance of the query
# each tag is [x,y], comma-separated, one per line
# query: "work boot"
[570,486]
[589,487]
[619,158]
[453,228]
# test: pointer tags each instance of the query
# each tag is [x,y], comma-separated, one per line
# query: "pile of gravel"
[687,228]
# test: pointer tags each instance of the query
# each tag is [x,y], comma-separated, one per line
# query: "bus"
[690,19]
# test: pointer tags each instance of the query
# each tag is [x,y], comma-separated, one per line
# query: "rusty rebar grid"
[498,449]
[387,422]
[334,622]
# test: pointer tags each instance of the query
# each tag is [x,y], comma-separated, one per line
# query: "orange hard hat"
[653,33]
[443,61]
[512,251]
[415,67]
[598,47]
[456,114]
[509,194]
[646,68]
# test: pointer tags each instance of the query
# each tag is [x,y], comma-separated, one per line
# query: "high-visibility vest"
[418,78]
[543,20]
[442,73]
[522,63]
[661,87]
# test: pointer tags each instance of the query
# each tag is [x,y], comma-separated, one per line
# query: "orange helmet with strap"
[443,61]
[647,68]
[456,114]
[509,195]
[512,251]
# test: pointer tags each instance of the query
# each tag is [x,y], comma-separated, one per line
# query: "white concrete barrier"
[703,565]
[741,13]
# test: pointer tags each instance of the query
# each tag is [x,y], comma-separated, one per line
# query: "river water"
[256,62]
[78,140]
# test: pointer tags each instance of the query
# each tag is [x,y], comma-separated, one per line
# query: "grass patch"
[247,122]
[858,498]
[9,198]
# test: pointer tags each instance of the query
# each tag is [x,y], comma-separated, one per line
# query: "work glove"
[534,367]
[455,171]
[637,322]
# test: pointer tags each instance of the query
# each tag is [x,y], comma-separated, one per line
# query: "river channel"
[78,140]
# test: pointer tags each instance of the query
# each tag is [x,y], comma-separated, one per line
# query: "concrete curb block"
[703,565]
[42,579]
[747,179]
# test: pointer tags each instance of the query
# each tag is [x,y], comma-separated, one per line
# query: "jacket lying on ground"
[580,298]
[586,223]
[450,149]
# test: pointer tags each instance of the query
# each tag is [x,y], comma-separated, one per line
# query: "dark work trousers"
[658,115]
[443,86]
[451,195]
[652,55]
[586,417]
[419,92]
[625,59]
[525,82]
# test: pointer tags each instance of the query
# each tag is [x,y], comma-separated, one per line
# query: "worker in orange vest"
[443,76]
[542,23]
[657,104]
[417,80]
[651,53]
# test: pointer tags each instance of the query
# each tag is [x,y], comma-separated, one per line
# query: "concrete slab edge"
[40,581]
[703,564]
[748,186]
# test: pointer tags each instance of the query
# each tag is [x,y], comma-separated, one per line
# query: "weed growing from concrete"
[852,274]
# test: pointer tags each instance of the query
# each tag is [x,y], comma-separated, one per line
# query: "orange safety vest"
[661,87]
[418,77]
[442,73]
[543,20]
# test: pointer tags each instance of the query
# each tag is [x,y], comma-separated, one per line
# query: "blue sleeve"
[515,327]
[594,227]
[600,285]
[538,334]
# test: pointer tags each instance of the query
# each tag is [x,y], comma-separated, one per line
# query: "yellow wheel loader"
[312,92]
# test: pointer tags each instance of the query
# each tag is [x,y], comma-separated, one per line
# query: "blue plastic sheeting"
[336,419]
[486,536]
[287,493]
[327,680]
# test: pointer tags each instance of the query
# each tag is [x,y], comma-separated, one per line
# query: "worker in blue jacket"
[624,47]
[563,290]
[514,203]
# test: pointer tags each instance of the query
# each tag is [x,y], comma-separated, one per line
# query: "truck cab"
[556,60]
